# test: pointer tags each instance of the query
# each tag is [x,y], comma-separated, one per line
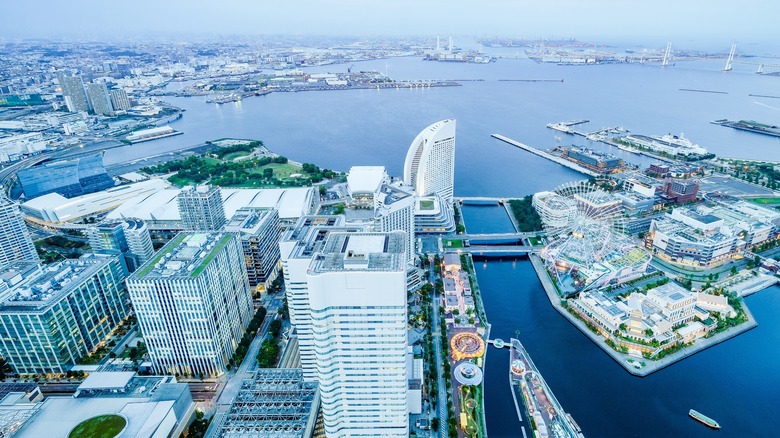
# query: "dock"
[549,418]
[546,155]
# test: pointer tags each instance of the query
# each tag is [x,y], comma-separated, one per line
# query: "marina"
[546,416]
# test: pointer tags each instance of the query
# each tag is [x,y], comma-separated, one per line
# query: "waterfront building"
[259,231]
[429,167]
[201,208]
[193,303]
[364,182]
[69,178]
[273,402]
[594,160]
[119,99]
[433,216]
[15,241]
[73,93]
[555,211]
[357,294]
[297,247]
[52,316]
[707,235]
[130,238]
[674,302]
[99,99]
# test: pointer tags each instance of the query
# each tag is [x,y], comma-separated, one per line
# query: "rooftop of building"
[390,195]
[32,289]
[275,402]
[366,179]
[361,251]
[671,292]
[250,220]
[185,256]
[162,205]
[306,223]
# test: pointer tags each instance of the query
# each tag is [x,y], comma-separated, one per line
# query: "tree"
[268,173]
[435,424]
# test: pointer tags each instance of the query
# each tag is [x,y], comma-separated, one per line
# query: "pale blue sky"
[679,20]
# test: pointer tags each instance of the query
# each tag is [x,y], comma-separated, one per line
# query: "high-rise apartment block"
[201,208]
[15,241]
[52,316]
[430,162]
[193,303]
[259,232]
[357,296]
[129,237]
[99,99]
[119,99]
[73,93]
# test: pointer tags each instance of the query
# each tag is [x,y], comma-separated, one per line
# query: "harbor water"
[735,382]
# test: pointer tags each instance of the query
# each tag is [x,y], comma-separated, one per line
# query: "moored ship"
[701,418]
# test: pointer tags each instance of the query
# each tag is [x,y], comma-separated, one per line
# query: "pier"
[546,155]
[549,418]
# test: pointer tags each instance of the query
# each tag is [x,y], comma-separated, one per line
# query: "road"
[436,334]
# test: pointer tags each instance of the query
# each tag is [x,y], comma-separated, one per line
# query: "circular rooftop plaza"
[466,346]
[468,374]
[103,426]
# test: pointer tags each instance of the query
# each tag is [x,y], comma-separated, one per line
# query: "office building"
[119,99]
[297,247]
[430,162]
[52,316]
[129,238]
[15,241]
[680,191]
[99,99]
[259,232]
[201,209]
[73,93]
[193,303]
[69,178]
[357,294]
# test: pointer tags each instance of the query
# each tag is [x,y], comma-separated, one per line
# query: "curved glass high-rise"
[430,161]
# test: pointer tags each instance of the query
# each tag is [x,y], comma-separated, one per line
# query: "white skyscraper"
[394,211]
[430,162]
[201,208]
[193,303]
[297,247]
[129,237]
[357,295]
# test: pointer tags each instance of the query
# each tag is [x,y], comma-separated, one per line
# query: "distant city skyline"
[605,20]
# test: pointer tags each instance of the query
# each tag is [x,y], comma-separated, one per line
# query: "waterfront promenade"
[650,366]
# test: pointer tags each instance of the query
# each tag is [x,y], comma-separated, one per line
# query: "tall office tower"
[129,237]
[201,208]
[357,294]
[52,316]
[430,162]
[259,231]
[15,241]
[73,93]
[394,211]
[298,244]
[99,99]
[193,303]
[119,100]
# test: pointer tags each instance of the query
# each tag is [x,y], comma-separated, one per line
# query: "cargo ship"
[703,419]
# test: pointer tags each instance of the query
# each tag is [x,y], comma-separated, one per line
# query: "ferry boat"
[703,419]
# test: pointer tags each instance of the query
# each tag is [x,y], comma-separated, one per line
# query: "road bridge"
[497,250]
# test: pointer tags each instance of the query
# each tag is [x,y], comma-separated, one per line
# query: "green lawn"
[281,171]
[454,243]
[233,155]
[104,426]
[766,201]
[426,204]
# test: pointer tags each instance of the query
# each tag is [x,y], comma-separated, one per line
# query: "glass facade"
[68,178]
